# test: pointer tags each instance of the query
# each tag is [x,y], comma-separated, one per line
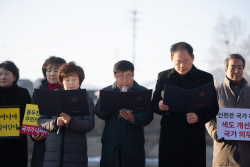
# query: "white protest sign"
[233,124]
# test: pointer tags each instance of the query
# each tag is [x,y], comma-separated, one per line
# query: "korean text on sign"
[233,124]
[29,125]
[9,121]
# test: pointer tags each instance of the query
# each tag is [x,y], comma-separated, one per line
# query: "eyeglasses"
[126,77]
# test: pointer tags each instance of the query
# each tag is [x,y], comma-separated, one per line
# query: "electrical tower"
[134,12]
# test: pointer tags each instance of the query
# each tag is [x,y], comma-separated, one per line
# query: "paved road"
[152,164]
[148,164]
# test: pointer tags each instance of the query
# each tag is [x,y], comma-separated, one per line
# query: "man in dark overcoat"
[182,136]
[123,134]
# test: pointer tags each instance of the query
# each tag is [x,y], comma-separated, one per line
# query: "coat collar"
[44,85]
[10,89]
[243,82]
[135,86]
[192,72]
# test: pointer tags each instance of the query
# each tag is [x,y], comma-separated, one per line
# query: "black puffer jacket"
[70,148]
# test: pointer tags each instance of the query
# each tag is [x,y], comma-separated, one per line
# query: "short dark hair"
[53,60]
[234,56]
[10,66]
[181,46]
[122,66]
[69,69]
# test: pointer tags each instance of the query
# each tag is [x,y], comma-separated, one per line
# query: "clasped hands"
[38,137]
[63,120]
[191,117]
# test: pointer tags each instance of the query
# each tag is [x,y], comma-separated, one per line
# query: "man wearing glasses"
[123,134]
[182,136]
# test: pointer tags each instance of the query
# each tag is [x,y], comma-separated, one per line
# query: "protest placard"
[29,125]
[9,121]
[233,124]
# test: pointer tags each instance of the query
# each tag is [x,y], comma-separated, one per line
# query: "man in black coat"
[182,136]
[123,135]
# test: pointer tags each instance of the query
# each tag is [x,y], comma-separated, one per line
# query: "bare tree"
[229,38]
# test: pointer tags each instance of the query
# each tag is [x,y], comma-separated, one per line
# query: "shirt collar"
[192,72]
[243,82]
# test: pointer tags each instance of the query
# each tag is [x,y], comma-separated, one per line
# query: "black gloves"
[218,140]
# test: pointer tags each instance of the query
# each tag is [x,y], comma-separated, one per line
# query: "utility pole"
[134,12]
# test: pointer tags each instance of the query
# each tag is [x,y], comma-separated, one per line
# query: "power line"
[134,12]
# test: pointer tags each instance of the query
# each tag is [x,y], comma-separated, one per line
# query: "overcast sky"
[97,33]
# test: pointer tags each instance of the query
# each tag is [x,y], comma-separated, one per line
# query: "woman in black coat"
[50,72]
[13,152]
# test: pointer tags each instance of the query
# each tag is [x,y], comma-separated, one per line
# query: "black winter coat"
[13,152]
[183,144]
[39,146]
[123,141]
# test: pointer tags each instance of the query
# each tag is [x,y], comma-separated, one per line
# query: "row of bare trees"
[230,37]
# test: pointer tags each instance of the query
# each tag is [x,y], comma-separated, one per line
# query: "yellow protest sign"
[31,115]
[30,118]
[9,121]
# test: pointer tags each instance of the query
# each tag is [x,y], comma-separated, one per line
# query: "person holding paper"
[182,135]
[123,134]
[70,147]
[13,152]
[232,93]
[50,71]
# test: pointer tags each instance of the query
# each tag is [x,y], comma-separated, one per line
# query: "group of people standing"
[182,136]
